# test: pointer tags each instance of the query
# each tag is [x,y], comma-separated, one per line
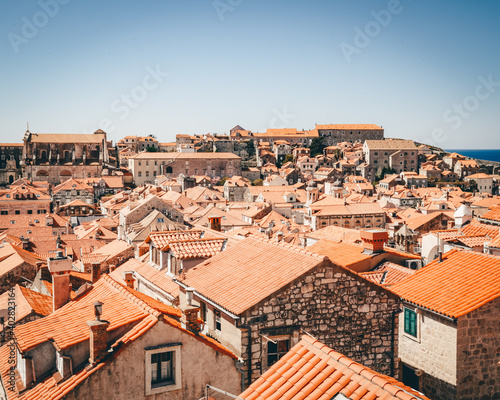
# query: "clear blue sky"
[424,70]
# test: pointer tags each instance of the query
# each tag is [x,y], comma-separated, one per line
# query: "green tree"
[222,181]
[288,158]
[250,147]
[317,146]
[151,149]
[258,182]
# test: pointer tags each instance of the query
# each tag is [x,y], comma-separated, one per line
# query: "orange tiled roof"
[348,126]
[477,228]
[162,239]
[198,248]
[259,264]
[388,274]
[342,254]
[493,214]
[311,370]
[154,312]
[461,283]
[27,301]
[473,241]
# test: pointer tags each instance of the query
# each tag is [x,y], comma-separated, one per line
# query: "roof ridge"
[371,375]
[130,295]
[292,247]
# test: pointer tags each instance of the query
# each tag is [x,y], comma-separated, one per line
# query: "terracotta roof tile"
[67,329]
[388,274]
[311,370]
[259,264]
[478,228]
[493,214]
[198,248]
[162,239]
[461,283]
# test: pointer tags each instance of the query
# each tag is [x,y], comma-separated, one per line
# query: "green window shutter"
[407,321]
[410,322]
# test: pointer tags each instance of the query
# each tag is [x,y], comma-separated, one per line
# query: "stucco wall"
[124,376]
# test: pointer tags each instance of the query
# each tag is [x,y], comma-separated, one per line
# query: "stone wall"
[478,372]
[347,313]
[433,351]
[335,136]
[16,276]
[56,174]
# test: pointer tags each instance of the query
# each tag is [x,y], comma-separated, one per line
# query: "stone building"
[24,199]
[449,330]
[10,158]
[258,296]
[400,155]
[351,133]
[16,265]
[290,135]
[124,346]
[71,190]
[146,166]
[353,216]
[465,168]
[55,157]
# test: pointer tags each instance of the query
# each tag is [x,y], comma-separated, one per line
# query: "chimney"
[98,335]
[128,277]
[59,268]
[279,236]
[374,240]
[189,313]
[25,242]
[215,223]
[95,272]
[269,233]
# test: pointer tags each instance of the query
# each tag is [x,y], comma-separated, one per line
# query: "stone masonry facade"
[478,348]
[353,316]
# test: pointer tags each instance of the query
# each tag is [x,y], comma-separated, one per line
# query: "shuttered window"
[410,322]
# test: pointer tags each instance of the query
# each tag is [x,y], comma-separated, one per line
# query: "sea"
[484,154]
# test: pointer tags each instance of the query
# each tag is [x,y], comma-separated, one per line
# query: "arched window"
[169,170]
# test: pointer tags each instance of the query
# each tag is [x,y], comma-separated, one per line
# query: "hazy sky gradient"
[256,63]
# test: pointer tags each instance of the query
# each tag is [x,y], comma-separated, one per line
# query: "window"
[4,212]
[217,320]
[30,211]
[163,368]
[139,174]
[276,349]
[410,322]
[17,212]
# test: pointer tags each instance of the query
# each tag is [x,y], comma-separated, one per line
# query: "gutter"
[207,300]
[452,319]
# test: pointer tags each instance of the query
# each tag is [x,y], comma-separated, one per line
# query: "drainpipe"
[249,356]
[393,339]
